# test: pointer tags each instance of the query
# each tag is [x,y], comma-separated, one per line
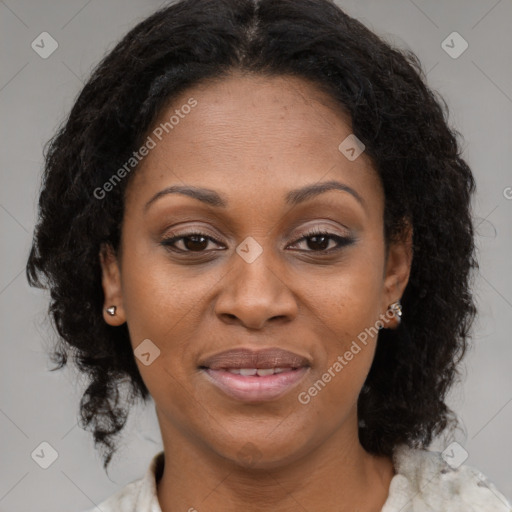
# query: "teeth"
[267,371]
[246,372]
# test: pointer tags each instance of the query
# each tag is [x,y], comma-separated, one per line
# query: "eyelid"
[169,237]
[319,226]
[169,241]
[293,234]
[177,230]
[340,240]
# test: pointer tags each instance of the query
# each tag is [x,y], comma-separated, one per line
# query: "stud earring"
[396,307]
[112,310]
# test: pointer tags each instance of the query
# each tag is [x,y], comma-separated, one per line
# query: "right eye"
[192,242]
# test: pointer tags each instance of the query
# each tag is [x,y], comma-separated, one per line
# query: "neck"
[337,475]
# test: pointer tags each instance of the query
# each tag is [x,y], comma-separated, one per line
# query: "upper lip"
[246,358]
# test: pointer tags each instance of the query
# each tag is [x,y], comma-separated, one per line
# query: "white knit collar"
[424,482]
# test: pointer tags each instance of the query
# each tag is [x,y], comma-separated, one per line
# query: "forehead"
[251,133]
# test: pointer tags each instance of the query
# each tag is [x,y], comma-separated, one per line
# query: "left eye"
[321,240]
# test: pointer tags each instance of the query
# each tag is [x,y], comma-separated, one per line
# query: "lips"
[253,388]
[255,376]
[250,360]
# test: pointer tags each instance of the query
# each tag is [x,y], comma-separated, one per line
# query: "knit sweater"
[423,482]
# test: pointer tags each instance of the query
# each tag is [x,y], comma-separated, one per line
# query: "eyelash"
[341,241]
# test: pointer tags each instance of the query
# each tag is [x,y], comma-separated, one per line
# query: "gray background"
[37,405]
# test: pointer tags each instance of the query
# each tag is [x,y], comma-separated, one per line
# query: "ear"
[111,283]
[398,270]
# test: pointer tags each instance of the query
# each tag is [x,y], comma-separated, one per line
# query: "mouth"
[248,385]
[255,376]
[260,372]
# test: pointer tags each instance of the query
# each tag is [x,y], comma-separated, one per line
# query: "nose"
[255,293]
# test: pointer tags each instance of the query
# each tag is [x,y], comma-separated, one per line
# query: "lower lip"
[254,388]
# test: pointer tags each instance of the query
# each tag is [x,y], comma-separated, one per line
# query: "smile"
[255,384]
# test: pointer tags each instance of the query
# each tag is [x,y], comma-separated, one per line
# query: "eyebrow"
[293,197]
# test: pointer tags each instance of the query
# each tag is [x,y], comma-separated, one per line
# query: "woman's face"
[247,277]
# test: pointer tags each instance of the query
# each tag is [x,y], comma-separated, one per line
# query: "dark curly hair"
[401,121]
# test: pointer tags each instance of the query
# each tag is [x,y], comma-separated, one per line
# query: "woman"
[257,216]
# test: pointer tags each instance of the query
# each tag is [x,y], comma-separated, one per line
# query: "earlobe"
[113,311]
[398,269]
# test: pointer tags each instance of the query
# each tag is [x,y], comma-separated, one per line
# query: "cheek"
[162,305]
[160,299]
[344,360]
[345,307]
[346,301]
[167,304]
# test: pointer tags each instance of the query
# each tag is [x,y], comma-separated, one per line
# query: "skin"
[253,139]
